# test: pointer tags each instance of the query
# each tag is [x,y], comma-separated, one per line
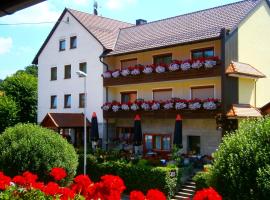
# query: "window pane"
[53,102]
[83,67]
[196,55]
[128,97]
[163,59]
[162,95]
[67,101]
[202,53]
[166,143]
[158,142]
[62,45]
[82,100]
[73,42]
[209,53]
[128,63]
[148,142]
[53,73]
[67,71]
[202,92]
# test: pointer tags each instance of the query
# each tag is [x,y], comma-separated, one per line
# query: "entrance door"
[194,144]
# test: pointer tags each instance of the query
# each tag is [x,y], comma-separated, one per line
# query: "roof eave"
[238,74]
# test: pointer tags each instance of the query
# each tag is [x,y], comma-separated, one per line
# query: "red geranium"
[154,194]
[81,184]
[27,179]
[136,195]
[58,173]
[4,181]
[51,189]
[207,194]
[66,193]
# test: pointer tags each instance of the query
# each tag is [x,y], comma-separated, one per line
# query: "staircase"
[186,192]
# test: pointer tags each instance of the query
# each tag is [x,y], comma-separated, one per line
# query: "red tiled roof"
[242,111]
[104,29]
[243,69]
[201,25]
[64,120]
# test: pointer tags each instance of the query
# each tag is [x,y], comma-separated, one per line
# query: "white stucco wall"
[88,50]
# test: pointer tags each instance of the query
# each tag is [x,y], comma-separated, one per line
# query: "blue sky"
[20,43]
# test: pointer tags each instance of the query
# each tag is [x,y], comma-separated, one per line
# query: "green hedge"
[135,177]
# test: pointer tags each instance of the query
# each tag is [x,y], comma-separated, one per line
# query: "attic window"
[67,20]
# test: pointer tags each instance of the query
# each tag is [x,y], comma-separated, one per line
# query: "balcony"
[148,74]
[188,109]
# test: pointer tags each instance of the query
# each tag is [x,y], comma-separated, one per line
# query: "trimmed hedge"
[135,177]
[29,147]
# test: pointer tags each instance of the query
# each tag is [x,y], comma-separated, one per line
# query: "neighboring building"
[233,41]
[75,43]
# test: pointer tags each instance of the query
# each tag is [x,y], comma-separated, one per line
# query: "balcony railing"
[196,109]
[157,73]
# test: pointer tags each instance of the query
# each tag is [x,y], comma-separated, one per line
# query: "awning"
[64,120]
[238,69]
[243,111]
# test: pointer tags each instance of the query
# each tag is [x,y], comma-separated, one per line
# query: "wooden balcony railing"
[165,76]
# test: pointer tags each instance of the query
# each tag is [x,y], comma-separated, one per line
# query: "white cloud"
[119,4]
[5,45]
[41,12]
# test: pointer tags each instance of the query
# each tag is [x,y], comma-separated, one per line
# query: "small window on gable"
[73,42]
[128,63]
[163,59]
[83,67]
[162,94]
[202,92]
[128,97]
[202,53]
[62,45]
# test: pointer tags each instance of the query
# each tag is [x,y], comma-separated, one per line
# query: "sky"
[20,43]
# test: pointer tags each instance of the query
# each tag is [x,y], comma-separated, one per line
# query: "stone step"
[185,194]
[188,190]
[189,186]
[190,183]
[181,198]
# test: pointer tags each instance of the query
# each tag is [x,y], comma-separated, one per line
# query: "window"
[128,96]
[163,59]
[194,145]
[202,53]
[73,42]
[53,102]
[124,135]
[67,103]
[157,142]
[67,71]
[127,63]
[83,67]
[202,92]
[81,100]
[62,45]
[162,94]
[53,73]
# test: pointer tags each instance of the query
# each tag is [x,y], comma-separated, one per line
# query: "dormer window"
[73,42]
[62,45]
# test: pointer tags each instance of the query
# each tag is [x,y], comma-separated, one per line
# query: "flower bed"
[176,65]
[174,104]
[27,186]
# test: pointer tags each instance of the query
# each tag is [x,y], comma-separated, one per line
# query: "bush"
[135,177]
[201,179]
[241,165]
[36,149]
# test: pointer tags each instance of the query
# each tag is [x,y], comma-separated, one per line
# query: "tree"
[8,112]
[22,88]
[31,70]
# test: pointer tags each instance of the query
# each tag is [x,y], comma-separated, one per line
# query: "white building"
[76,42]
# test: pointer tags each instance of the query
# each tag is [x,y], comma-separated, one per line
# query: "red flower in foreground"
[154,194]
[66,193]
[58,173]
[207,194]
[81,184]
[51,189]
[136,195]
[4,181]
[27,179]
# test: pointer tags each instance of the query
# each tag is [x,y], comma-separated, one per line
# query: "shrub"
[28,147]
[135,177]
[201,179]
[241,165]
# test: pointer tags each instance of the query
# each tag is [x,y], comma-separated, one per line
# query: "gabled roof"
[64,120]
[191,27]
[105,30]
[239,69]
[243,111]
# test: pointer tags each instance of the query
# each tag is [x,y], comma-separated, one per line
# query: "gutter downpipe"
[106,51]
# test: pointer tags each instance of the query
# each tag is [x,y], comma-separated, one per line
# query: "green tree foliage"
[241,169]
[8,112]
[31,70]
[22,88]
[28,147]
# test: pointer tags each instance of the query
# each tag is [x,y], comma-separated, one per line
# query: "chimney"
[140,22]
